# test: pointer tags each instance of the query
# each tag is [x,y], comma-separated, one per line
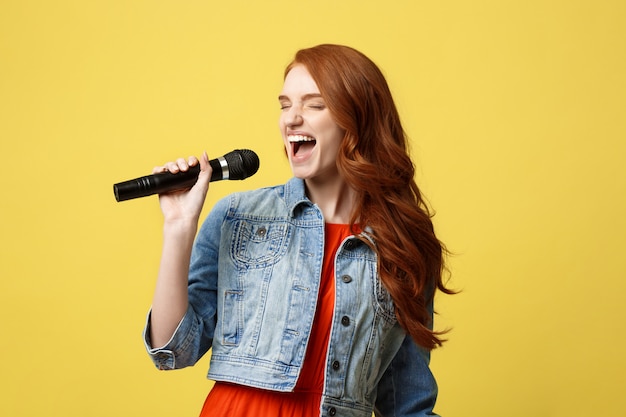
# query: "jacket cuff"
[164,357]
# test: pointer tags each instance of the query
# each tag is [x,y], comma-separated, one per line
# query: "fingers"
[159,169]
[180,164]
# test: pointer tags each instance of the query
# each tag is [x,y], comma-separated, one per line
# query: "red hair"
[375,162]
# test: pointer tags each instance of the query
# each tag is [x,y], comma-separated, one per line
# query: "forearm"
[170,299]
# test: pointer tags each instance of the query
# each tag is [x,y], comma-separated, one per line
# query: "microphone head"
[242,163]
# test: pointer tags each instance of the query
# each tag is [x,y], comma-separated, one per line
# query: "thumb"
[205,168]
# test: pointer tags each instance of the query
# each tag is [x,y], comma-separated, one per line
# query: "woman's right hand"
[181,210]
[185,205]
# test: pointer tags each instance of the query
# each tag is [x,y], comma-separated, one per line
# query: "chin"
[301,173]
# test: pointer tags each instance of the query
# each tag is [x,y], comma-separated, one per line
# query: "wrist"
[180,227]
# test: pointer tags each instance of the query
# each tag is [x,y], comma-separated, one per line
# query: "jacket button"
[336,365]
[345,320]
[332,411]
[346,278]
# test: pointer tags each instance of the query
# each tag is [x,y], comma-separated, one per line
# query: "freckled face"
[310,134]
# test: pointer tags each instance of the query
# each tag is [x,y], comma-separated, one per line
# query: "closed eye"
[284,102]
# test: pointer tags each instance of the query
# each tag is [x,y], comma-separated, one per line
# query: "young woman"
[315,296]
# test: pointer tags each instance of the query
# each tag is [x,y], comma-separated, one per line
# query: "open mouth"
[301,145]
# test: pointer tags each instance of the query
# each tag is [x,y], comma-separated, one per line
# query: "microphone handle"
[164,182]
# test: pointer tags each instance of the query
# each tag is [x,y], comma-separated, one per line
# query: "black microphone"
[235,165]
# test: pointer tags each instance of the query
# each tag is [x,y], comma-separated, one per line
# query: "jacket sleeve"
[408,387]
[194,335]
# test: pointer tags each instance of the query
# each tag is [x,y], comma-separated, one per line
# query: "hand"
[185,205]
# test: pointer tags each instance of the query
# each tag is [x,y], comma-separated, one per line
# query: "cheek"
[337,134]
[332,129]
[281,123]
[281,127]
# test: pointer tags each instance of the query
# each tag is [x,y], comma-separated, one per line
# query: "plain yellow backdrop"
[516,114]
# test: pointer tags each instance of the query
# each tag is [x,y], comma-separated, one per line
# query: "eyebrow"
[304,97]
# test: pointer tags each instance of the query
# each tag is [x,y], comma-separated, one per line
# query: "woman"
[315,296]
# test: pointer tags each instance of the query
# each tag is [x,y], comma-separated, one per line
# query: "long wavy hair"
[374,160]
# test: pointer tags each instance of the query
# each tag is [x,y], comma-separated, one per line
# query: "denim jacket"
[266,246]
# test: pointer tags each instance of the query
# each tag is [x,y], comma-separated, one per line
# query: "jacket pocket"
[232,318]
[259,244]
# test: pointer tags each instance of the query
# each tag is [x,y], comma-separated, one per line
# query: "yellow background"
[516,111]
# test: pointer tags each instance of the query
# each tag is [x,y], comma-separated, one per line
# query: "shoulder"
[254,200]
[261,202]
[264,201]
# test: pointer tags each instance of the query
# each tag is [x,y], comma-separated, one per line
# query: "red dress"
[232,400]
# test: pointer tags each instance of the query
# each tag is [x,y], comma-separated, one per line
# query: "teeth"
[300,138]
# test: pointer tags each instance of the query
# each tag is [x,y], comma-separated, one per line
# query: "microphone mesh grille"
[242,163]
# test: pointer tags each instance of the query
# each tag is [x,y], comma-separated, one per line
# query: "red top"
[231,400]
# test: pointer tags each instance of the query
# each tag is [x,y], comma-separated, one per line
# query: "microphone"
[235,165]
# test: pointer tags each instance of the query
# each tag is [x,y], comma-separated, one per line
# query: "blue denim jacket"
[267,247]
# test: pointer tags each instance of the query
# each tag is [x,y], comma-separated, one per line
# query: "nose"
[293,116]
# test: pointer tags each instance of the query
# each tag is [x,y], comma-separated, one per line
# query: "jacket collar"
[295,194]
